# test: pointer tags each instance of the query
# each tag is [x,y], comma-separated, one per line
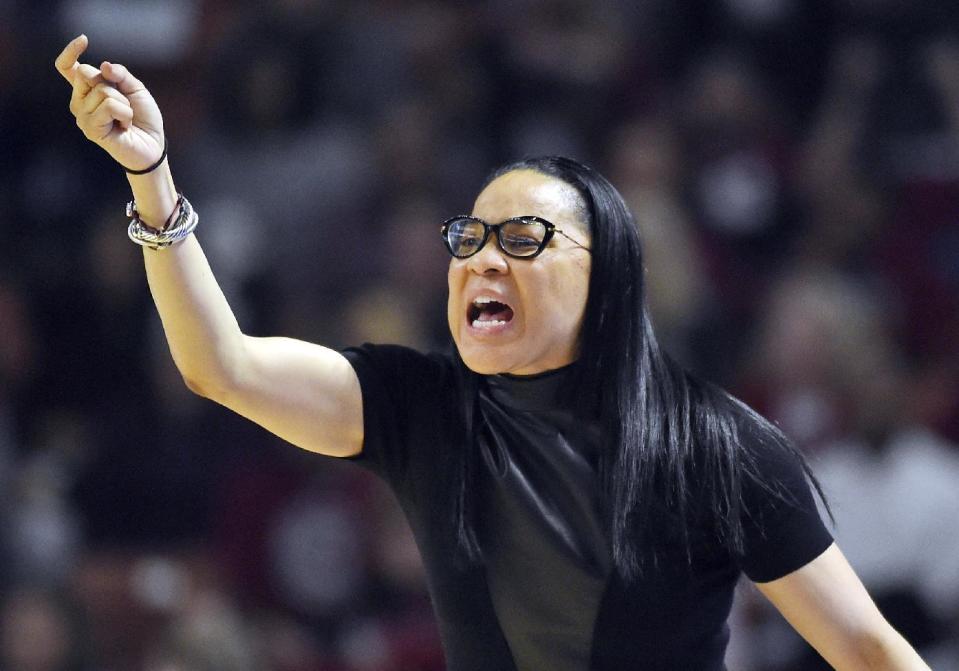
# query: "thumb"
[125,82]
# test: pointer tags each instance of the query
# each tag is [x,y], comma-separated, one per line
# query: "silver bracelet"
[177,230]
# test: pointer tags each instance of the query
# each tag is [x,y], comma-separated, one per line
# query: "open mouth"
[485,312]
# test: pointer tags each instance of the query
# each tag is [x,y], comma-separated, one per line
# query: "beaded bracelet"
[171,233]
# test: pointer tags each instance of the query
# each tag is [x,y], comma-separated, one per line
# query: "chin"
[483,364]
[483,360]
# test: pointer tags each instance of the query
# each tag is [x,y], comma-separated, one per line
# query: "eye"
[465,236]
[517,241]
[523,238]
[466,243]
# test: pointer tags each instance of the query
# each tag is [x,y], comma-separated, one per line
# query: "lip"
[497,296]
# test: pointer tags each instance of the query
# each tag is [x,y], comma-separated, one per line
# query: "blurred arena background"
[793,166]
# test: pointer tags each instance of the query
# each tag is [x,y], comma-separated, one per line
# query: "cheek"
[573,288]
[454,279]
[574,294]
[559,305]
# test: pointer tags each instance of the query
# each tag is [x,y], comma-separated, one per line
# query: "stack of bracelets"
[173,231]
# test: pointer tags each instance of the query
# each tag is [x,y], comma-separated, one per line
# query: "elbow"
[204,386]
[872,651]
[197,387]
[885,650]
[209,381]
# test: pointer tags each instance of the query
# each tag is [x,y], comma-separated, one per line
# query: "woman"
[579,500]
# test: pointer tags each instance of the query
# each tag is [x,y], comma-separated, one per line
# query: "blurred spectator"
[209,636]
[837,182]
[822,335]
[44,531]
[40,631]
[836,382]
[18,348]
[899,481]
[153,32]
[648,168]
[560,63]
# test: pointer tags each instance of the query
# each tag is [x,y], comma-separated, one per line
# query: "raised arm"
[829,607]
[304,393]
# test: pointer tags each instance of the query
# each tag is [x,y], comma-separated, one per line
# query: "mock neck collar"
[541,391]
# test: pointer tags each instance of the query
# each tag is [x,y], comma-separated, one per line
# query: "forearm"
[200,327]
[827,604]
[116,111]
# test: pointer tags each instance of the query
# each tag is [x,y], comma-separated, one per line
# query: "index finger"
[66,62]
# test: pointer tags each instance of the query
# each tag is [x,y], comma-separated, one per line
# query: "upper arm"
[306,394]
[827,604]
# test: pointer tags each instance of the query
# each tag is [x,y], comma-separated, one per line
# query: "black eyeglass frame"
[487,228]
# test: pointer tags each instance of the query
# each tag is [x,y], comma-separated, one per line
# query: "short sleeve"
[782,525]
[408,407]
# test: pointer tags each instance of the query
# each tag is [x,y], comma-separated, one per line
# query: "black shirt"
[547,595]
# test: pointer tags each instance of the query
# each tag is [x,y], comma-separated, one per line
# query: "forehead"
[527,192]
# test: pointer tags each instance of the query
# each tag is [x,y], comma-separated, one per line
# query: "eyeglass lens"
[516,237]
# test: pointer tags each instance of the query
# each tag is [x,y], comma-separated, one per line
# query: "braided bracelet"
[171,233]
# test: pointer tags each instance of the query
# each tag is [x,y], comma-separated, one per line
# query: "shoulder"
[398,365]
[410,408]
[727,430]
[402,387]
[767,453]
[743,464]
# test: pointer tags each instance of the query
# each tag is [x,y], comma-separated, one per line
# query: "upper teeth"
[482,300]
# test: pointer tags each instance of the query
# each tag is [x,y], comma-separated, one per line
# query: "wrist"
[156,164]
[155,195]
[173,231]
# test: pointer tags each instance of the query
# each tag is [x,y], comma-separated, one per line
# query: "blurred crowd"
[794,170]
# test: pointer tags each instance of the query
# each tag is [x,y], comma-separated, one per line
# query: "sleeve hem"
[814,547]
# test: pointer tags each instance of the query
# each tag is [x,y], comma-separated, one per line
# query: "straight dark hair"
[659,422]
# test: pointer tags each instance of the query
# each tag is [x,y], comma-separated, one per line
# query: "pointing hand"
[113,108]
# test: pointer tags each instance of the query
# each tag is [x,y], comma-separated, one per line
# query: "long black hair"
[659,422]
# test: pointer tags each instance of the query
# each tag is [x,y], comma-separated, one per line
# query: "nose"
[490,259]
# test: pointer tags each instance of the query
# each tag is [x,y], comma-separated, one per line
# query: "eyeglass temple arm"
[556,230]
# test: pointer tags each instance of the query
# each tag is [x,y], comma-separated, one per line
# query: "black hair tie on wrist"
[152,167]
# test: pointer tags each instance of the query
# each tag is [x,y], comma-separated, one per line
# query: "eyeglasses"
[519,237]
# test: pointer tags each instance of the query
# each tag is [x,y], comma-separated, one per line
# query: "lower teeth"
[488,322]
